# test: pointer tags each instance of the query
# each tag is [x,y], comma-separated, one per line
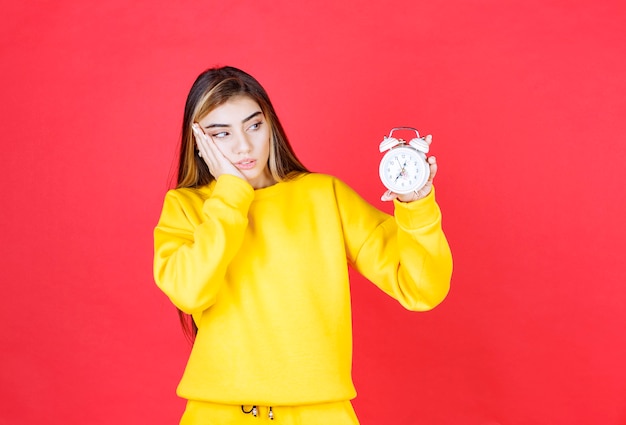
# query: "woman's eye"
[220,135]
[255,126]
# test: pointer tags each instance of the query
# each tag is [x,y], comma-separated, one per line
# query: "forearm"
[195,242]
[425,265]
[408,256]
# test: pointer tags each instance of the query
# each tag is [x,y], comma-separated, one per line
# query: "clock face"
[403,170]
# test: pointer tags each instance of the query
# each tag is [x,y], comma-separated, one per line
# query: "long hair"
[213,88]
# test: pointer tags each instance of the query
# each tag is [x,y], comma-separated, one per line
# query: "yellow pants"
[202,413]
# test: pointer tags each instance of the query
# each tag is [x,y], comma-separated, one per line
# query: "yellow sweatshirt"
[265,274]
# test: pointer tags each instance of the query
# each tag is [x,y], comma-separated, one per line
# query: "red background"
[526,103]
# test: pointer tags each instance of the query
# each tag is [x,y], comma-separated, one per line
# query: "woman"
[256,249]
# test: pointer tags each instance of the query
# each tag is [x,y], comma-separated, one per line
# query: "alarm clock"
[404,169]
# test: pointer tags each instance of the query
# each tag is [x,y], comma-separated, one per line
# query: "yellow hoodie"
[265,274]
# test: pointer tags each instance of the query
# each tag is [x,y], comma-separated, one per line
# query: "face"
[241,132]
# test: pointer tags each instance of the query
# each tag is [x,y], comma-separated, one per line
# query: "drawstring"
[252,410]
[255,412]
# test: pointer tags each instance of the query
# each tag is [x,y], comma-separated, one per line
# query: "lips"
[246,164]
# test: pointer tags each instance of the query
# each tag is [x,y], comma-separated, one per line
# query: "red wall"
[526,102]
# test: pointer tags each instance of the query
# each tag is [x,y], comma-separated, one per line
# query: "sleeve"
[195,240]
[406,255]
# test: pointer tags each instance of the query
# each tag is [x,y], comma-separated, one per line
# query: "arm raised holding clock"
[421,193]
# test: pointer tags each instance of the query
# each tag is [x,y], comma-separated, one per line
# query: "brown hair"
[211,89]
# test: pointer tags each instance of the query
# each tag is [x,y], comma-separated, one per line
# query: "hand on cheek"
[214,159]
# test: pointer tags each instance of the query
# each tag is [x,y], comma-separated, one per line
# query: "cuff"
[232,191]
[416,214]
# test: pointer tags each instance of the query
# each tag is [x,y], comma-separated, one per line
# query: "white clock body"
[404,169]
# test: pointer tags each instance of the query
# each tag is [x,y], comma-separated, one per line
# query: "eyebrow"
[228,125]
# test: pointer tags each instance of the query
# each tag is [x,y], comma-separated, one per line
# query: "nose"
[242,144]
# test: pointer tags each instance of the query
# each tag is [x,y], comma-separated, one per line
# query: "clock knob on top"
[388,143]
[420,144]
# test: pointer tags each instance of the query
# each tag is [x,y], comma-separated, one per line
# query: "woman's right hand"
[214,159]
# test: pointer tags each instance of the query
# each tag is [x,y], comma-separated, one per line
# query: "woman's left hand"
[424,191]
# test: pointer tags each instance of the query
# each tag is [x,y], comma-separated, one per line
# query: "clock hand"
[400,173]
[403,169]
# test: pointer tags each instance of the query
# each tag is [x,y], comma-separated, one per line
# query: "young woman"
[256,249]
